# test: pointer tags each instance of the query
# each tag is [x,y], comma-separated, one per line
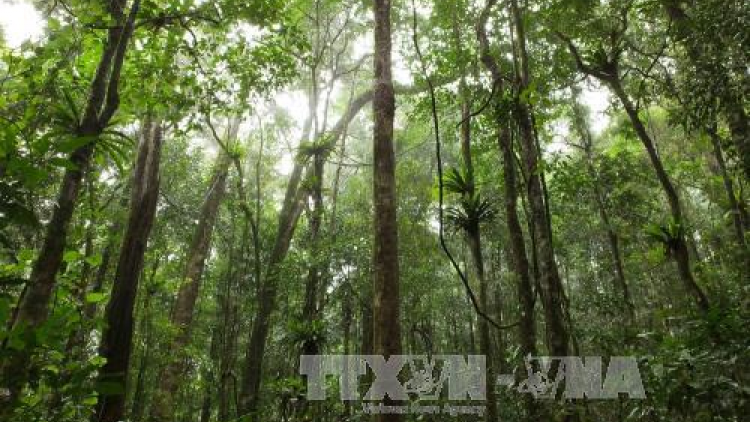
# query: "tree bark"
[385,277]
[485,338]
[552,293]
[311,311]
[117,336]
[519,261]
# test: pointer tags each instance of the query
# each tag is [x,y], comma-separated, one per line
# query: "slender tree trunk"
[138,403]
[346,324]
[386,323]
[475,247]
[291,210]
[117,336]
[738,127]
[740,224]
[267,289]
[184,308]
[678,245]
[465,110]
[552,291]
[226,346]
[367,348]
[311,311]
[210,381]
[288,217]
[472,336]
[485,338]
[613,240]
[519,261]
[251,378]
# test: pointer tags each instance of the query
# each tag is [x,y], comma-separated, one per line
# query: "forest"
[200,198]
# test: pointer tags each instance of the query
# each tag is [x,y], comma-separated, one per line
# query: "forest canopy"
[197,198]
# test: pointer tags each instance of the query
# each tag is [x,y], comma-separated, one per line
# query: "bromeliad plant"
[472,209]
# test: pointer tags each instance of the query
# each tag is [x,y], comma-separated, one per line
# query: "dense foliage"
[194,194]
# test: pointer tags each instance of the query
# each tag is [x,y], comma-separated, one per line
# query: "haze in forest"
[387,210]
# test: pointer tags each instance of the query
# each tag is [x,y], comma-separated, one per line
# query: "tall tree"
[117,337]
[519,260]
[103,102]
[385,275]
[608,70]
[581,126]
[552,292]
[187,296]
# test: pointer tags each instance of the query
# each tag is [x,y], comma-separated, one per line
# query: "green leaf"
[94,260]
[90,401]
[98,361]
[71,256]
[95,297]
[63,162]
[72,143]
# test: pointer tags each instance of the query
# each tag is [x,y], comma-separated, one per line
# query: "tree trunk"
[224,343]
[311,311]
[473,235]
[581,126]
[385,305]
[288,217]
[738,127]
[347,316]
[732,106]
[117,336]
[102,103]
[738,217]
[549,278]
[182,313]
[519,261]
[290,212]
[138,403]
[485,338]
[678,245]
